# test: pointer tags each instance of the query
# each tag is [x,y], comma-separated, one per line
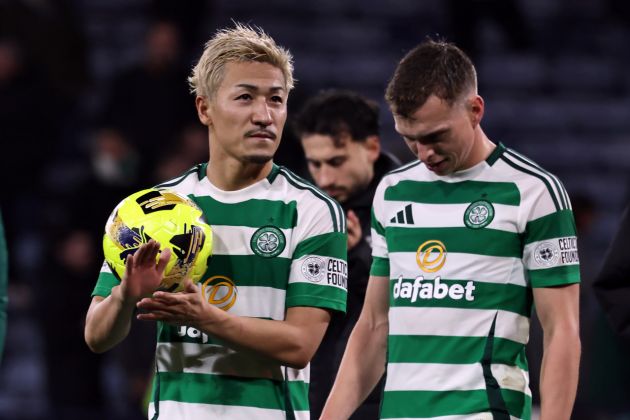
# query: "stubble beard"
[258,159]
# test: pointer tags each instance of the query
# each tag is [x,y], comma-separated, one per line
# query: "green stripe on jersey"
[440,192]
[251,270]
[376,225]
[495,242]
[555,225]
[331,244]
[227,390]
[104,284]
[380,267]
[453,350]
[507,297]
[555,276]
[415,404]
[252,213]
[311,294]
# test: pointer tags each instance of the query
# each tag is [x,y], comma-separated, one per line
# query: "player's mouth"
[436,166]
[261,134]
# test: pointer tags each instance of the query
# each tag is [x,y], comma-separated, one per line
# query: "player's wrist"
[121,296]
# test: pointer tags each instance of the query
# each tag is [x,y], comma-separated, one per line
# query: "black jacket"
[326,361]
[612,285]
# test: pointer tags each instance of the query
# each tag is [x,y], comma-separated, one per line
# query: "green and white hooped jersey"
[277,244]
[462,254]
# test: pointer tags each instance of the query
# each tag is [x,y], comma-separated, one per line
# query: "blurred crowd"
[80,132]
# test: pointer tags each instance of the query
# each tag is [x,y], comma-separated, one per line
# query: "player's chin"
[259,158]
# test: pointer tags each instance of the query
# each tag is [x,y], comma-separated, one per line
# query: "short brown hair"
[337,113]
[241,43]
[432,68]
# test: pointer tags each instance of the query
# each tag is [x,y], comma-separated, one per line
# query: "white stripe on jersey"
[259,302]
[338,212]
[172,410]
[471,416]
[215,359]
[451,377]
[460,266]
[456,322]
[235,240]
[449,215]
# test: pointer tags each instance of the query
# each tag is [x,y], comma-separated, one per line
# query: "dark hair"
[432,68]
[336,113]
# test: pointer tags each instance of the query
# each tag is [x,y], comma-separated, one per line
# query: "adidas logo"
[403,217]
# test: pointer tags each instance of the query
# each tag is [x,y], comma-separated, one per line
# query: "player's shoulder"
[185,182]
[311,201]
[414,170]
[533,180]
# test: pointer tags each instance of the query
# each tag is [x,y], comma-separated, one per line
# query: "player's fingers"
[140,253]
[165,256]
[153,316]
[128,265]
[149,251]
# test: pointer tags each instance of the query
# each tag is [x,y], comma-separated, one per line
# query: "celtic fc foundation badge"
[479,214]
[268,241]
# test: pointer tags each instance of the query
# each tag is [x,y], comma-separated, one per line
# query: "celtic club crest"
[268,241]
[479,214]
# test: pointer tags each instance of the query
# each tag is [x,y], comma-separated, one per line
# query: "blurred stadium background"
[94,105]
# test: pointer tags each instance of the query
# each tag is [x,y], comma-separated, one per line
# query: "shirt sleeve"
[380,253]
[550,253]
[319,269]
[105,282]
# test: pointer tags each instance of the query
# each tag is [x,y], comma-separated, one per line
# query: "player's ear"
[476,107]
[203,110]
[373,147]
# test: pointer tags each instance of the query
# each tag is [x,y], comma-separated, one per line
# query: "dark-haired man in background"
[339,132]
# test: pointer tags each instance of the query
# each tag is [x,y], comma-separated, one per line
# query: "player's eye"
[277,99]
[337,162]
[244,96]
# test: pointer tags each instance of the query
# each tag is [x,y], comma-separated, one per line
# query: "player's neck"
[482,149]
[232,175]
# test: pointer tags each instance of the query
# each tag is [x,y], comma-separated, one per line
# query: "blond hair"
[239,44]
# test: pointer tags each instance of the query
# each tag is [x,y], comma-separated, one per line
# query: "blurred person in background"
[148,103]
[4,281]
[74,375]
[609,386]
[612,285]
[191,147]
[339,132]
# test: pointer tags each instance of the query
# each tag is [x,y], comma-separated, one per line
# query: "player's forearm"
[291,345]
[559,373]
[108,321]
[362,366]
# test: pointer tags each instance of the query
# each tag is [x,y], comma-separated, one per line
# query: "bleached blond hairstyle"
[242,43]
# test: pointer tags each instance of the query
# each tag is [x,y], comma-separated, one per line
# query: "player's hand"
[354,229]
[142,273]
[184,308]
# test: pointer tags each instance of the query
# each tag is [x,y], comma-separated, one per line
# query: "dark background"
[94,105]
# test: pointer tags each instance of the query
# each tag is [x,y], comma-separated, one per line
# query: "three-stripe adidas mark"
[403,217]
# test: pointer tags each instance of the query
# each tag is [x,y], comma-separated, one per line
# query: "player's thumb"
[189,286]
